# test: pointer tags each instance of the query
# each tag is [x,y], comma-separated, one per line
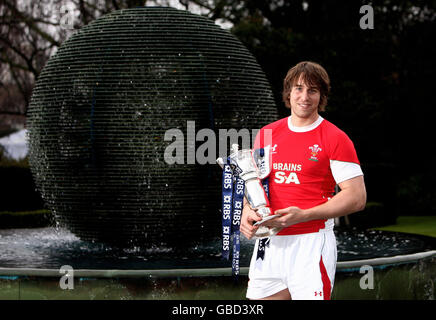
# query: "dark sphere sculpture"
[99,113]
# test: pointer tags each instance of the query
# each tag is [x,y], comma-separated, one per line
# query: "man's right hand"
[249,217]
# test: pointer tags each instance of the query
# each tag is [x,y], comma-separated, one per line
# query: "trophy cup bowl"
[252,167]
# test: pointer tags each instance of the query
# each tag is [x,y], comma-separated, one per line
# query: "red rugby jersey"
[301,173]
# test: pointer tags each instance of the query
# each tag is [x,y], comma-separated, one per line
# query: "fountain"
[130,225]
[101,113]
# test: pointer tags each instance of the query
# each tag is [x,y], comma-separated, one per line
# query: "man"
[310,156]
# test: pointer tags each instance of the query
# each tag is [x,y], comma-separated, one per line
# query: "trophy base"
[265,232]
[266,219]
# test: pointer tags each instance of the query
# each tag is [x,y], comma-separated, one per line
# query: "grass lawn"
[424,225]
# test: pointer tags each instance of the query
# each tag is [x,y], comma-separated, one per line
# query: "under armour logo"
[318,293]
[273,149]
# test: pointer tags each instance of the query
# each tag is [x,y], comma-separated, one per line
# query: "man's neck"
[303,122]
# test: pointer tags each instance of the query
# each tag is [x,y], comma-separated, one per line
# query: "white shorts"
[305,264]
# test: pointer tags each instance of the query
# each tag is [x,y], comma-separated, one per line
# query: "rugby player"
[310,156]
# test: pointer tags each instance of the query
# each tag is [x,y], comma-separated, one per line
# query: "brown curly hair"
[313,75]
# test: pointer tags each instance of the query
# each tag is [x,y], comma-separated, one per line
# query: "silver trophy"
[252,167]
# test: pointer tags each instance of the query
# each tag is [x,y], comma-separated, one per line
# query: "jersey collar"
[305,128]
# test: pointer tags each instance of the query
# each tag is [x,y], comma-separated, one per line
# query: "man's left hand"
[289,216]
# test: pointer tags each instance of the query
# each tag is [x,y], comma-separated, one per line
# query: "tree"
[378,79]
[31,31]
[381,78]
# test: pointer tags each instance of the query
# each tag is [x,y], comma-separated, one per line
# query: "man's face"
[304,99]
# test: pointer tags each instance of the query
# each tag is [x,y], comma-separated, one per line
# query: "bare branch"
[30,22]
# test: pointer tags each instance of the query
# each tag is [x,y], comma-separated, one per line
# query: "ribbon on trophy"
[227,208]
[232,205]
[263,242]
[242,175]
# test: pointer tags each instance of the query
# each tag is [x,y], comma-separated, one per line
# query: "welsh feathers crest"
[315,149]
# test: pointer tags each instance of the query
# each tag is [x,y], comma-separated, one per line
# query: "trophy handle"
[263,161]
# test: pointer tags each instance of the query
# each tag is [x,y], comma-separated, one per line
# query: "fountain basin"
[403,266]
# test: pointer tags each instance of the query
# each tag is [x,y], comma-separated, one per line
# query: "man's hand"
[249,217]
[351,198]
[289,216]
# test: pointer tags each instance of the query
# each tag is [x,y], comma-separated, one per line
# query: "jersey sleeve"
[344,162]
